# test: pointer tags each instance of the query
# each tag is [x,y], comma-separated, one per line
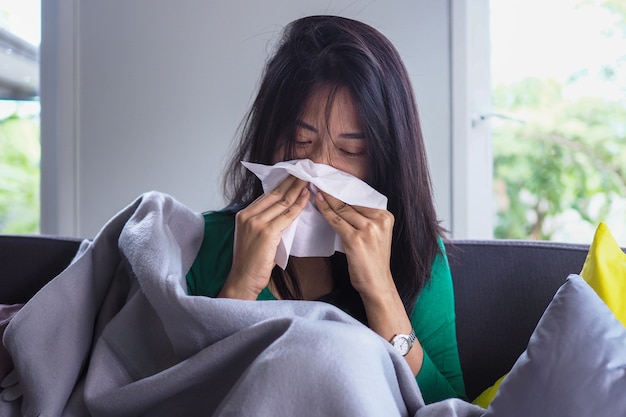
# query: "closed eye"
[303,134]
[356,135]
[352,146]
[352,154]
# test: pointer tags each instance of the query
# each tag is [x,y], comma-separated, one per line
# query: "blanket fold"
[116,334]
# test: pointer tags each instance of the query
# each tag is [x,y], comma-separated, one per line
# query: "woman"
[336,92]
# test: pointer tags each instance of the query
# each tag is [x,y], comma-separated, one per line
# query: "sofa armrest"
[502,288]
[27,263]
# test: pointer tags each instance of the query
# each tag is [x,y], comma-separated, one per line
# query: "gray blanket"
[116,334]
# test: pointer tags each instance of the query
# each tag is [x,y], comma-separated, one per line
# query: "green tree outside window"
[19,175]
[555,153]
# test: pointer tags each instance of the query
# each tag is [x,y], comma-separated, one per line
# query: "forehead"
[331,104]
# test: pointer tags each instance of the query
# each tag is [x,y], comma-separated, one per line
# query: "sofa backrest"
[501,290]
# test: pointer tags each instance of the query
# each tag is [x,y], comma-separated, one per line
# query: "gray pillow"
[575,363]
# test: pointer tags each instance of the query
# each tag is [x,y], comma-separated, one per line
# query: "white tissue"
[310,234]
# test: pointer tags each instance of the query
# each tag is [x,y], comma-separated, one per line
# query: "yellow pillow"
[605,271]
[487,396]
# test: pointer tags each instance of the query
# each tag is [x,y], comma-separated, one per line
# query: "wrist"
[403,342]
[385,297]
[375,288]
[386,314]
[238,291]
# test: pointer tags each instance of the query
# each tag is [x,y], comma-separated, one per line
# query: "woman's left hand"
[366,234]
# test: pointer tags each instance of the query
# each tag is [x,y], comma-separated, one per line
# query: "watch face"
[401,344]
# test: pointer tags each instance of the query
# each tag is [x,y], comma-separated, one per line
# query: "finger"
[289,214]
[284,202]
[338,206]
[337,211]
[286,196]
[335,216]
[272,204]
[267,199]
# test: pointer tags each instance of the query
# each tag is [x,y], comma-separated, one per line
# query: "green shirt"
[433,317]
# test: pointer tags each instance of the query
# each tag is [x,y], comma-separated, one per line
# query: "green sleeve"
[434,321]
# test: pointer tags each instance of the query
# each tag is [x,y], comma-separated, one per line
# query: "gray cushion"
[575,363]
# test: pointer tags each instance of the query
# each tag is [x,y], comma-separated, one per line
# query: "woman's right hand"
[258,230]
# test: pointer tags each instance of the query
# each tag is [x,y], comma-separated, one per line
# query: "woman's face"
[336,139]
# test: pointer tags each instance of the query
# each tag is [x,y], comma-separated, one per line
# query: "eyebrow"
[351,135]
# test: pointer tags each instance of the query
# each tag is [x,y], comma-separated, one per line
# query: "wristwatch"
[403,342]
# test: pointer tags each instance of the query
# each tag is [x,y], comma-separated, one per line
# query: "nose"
[320,154]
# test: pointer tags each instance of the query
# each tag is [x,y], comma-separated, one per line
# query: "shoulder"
[437,296]
[218,223]
[219,228]
[440,264]
[219,218]
[212,263]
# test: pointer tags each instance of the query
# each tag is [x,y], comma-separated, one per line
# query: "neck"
[313,274]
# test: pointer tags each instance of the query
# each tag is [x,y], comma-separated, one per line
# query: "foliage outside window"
[559,148]
[19,118]
[19,174]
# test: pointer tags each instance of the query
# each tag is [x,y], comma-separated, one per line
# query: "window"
[19,116]
[559,118]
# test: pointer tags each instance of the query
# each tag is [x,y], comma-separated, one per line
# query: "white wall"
[140,95]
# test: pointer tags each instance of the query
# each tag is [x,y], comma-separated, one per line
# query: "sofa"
[502,288]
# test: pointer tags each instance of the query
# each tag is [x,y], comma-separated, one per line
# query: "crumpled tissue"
[310,234]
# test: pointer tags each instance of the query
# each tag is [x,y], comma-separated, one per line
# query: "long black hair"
[336,52]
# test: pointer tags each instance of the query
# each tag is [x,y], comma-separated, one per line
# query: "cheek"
[356,167]
[300,153]
[280,154]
